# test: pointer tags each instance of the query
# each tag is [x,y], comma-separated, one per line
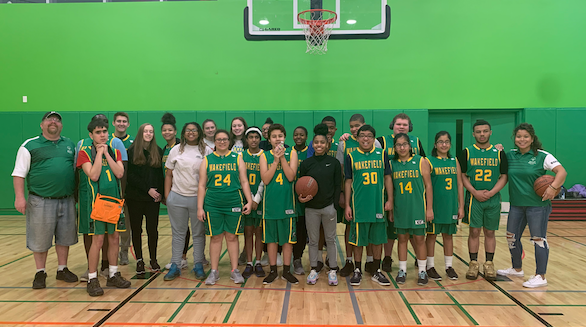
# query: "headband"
[253,129]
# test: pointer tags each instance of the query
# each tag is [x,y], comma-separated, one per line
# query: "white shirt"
[238,146]
[209,143]
[185,168]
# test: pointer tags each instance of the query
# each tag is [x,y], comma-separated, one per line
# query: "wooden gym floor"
[188,302]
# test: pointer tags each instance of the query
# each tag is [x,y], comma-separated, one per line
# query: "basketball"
[542,183]
[305,186]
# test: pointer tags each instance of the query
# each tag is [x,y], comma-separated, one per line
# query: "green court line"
[565,238]
[182,305]
[413,314]
[13,261]
[234,303]
[461,308]
[9,212]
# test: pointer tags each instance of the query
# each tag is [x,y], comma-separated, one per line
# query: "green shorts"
[436,229]
[281,231]
[96,227]
[363,234]
[251,221]
[411,231]
[485,214]
[217,223]
[341,217]
[391,230]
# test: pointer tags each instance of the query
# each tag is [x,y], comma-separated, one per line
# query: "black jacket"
[141,178]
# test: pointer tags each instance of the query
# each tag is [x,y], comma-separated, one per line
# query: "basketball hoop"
[317,27]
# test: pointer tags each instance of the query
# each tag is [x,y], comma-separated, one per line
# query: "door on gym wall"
[459,124]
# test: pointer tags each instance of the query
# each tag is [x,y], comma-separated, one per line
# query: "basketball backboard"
[277,19]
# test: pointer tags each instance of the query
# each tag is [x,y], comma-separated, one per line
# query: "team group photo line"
[282,197]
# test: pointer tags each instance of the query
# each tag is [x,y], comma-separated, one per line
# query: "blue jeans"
[537,219]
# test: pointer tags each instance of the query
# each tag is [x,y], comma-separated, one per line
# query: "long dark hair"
[233,137]
[138,146]
[437,136]
[536,144]
[200,137]
[396,139]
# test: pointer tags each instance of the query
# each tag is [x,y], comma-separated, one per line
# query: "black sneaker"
[369,268]
[288,276]
[416,264]
[258,271]
[118,281]
[140,267]
[155,265]
[348,269]
[320,266]
[451,273]
[248,271]
[66,276]
[422,278]
[94,288]
[387,264]
[431,273]
[39,281]
[401,277]
[271,277]
[380,278]
[356,278]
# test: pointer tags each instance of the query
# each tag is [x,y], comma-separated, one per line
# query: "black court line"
[507,294]
[119,306]
[285,309]
[355,306]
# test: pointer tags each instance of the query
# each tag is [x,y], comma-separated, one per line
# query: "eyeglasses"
[222,140]
[366,136]
[443,142]
[402,145]
[191,131]
[55,119]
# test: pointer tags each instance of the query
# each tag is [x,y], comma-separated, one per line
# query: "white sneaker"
[84,277]
[535,281]
[279,260]
[183,264]
[510,272]
[168,266]
[264,261]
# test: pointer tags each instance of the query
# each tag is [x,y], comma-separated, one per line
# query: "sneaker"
[168,266]
[432,273]
[319,267]
[264,261]
[105,273]
[173,273]
[380,278]
[204,262]
[348,269]
[369,268]
[333,278]
[94,288]
[422,278]
[401,277]
[312,277]
[123,255]
[183,263]
[270,278]
[356,278]
[298,267]
[140,267]
[387,264]
[198,270]
[288,276]
[118,281]
[279,260]
[451,273]
[66,276]
[85,276]
[472,272]
[258,271]
[155,265]
[535,281]
[248,271]
[489,271]
[39,281]
[236,276]
[242,258]
[213,277]
[510,272]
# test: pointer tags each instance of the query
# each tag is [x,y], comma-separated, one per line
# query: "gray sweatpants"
[328,218]
[180,209]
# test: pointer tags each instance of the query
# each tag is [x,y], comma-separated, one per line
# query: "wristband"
[555,189]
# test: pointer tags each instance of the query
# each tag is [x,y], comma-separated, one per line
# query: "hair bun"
[168,118]
[320,129]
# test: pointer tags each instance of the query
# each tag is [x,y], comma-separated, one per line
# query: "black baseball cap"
[52,113]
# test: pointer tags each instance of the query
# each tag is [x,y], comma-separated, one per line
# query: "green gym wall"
[524,59]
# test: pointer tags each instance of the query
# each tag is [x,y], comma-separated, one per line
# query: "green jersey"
[350,145]
[524,169]
[279,195]
[253,172]
[444,178]
[483,166]
[367,171]
[389,145]
[126,140]
[223,185]
[166,151]
[333,149]
[409,193]
[301,156]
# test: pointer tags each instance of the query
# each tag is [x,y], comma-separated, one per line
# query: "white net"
[317,26]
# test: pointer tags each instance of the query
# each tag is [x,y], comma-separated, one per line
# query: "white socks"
[92,275]
[430,262]
[448,260]
[42,269]
[113,270]
[403,265]
[421,264]
[61,267]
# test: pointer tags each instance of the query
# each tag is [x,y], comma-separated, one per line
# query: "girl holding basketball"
[321,208]
[527,162]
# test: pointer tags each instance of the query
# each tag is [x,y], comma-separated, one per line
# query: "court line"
[568,238]
[210,324]
[512,298]
[229,313]
[285,309]
[182,304]
[413,314]
[13,261]
[353,300]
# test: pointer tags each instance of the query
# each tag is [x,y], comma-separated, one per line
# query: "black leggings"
[150,210]
[301,238]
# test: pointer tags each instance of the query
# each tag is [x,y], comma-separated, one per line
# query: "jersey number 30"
[370,178]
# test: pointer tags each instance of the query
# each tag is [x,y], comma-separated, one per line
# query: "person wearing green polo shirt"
[47,163]
[527,162]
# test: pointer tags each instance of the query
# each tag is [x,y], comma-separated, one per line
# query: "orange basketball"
[542,183]
[305,186]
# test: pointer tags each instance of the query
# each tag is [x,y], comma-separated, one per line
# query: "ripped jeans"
[537,219]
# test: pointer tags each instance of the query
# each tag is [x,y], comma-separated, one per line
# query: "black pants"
[299,247]
[150,210]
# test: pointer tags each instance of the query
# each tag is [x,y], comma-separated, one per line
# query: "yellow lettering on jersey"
[445,170]
[223,167]
[368,164]
[252,166]
[350,150]
[411,173]
[493,162]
